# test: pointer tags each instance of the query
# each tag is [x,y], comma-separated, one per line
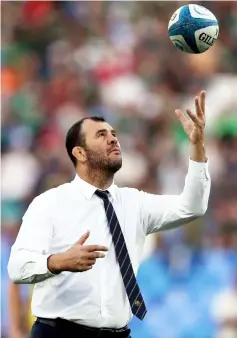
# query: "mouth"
[115,150]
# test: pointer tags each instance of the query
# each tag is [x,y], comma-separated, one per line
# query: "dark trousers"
[60,328]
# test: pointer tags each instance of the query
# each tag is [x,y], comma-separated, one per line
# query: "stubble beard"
[102,163]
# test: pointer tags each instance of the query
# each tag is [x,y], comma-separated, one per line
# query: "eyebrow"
[105,130]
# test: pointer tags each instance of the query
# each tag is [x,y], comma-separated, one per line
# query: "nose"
[112,139]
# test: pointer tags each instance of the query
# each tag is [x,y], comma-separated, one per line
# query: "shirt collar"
[88,190]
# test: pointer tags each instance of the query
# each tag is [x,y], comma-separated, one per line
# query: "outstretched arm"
[163,212]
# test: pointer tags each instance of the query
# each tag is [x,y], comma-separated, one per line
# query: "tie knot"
[102,194]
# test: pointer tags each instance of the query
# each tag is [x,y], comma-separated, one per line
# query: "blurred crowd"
[62,61]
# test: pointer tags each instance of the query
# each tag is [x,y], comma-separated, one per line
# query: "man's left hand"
[194,124]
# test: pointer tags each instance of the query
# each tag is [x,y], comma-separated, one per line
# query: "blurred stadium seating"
[65,60]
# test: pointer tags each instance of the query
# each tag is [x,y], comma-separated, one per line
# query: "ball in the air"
[193,29]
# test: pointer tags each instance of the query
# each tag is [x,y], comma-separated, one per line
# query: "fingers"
[202,99]
[95,255]
[87,264]
[90,261]
[192,116]
[91,248]
[198,108]
[200,104]
[86,267]
[83,238]
[182,118]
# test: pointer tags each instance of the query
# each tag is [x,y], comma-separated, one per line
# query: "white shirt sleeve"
[163,212]
[28,259]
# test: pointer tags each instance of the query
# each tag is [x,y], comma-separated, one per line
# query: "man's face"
[102,148]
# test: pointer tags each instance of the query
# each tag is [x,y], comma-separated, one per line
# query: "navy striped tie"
[131,286]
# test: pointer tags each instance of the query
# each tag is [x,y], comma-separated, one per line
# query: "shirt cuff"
[42,266]
[198,169]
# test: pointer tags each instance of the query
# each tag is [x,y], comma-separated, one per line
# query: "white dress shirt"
[56,219]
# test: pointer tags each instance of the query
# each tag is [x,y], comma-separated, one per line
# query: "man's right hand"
[78,258]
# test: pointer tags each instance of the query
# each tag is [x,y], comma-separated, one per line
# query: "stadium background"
[65,60]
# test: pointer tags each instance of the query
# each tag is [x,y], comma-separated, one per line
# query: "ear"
[79,153]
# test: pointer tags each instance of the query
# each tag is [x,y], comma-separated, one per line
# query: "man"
[81,243]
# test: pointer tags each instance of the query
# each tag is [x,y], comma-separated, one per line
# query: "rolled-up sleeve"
[163,212]
[28,259]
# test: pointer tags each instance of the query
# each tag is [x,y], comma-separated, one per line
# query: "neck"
[97,178]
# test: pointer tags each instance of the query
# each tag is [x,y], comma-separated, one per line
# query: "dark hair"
[75,137]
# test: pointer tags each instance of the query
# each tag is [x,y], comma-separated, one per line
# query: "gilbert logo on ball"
[193,29]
